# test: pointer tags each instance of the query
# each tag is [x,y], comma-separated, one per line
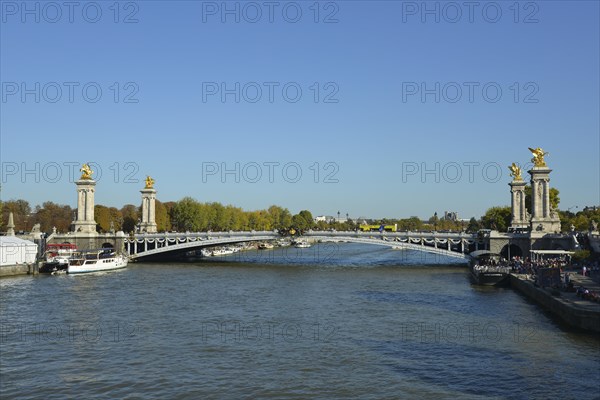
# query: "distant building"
[324,218]
[328,219]
[450,216]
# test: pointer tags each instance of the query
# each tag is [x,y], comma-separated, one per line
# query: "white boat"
[96,261]
[222,251]
[302,244]
[57,257]
[265,246]
[206,252]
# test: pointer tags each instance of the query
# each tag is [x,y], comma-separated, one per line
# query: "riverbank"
[571,309]
[18,269]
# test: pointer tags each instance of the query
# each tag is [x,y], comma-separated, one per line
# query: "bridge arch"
[510,251]
[455,245]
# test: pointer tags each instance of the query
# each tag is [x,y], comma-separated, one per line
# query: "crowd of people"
[528,267]
[591,270]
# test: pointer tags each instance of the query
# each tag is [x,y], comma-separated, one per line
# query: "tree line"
[191,215]
[186,214]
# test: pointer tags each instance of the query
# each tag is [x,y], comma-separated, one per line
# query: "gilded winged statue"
[149,182]
[538,157]
[515,172]
[86,172]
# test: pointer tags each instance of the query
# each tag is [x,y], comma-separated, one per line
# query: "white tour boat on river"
[96,261]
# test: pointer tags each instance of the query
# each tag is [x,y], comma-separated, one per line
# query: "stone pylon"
[543,217]
[148,222]
[85,221]
[520,216]
[11,225]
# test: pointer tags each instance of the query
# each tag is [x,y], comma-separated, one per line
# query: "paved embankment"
[18,269]
[573,310]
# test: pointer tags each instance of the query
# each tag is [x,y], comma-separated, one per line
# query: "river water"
[332,321]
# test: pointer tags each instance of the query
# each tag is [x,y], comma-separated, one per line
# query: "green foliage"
[191,215]
[186,215]
[303,221]
[554,198]
[581,255]
[473,226]
[582,221]
[163,222]
[434,219]
[497,218]
[410,224]
[280,218]
[130,215]
[107,218]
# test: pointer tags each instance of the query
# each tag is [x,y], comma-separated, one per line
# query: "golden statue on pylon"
[538,157]
[86,172]
[515,172]
[149,182]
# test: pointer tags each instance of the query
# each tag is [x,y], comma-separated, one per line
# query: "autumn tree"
[130,215]
[107,218]
[163,222]
[21,213]
[51,215]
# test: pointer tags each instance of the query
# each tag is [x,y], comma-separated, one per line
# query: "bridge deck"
[448,244]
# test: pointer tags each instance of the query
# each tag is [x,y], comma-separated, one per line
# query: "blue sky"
[368,134]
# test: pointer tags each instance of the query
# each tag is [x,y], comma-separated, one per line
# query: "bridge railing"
[310,233]
[153,243]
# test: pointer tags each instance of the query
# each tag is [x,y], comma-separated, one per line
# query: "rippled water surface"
[332,321]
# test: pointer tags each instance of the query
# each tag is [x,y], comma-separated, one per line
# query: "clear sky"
[388,89]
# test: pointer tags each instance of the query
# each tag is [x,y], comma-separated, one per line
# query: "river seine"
[332,321]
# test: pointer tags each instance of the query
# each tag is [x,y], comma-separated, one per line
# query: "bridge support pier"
[520,216]
[543,218]
[85,222]
[148,223]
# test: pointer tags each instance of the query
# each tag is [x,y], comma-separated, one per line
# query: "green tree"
[259,220]
[186,215]
[220,218]
[163,222]
[107,218]
[321,225]
[554,198]
[281,218]
[433,221]
[581,255]
[473,226]
[410,224]
[497,218]
[130,215]
[303,220]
